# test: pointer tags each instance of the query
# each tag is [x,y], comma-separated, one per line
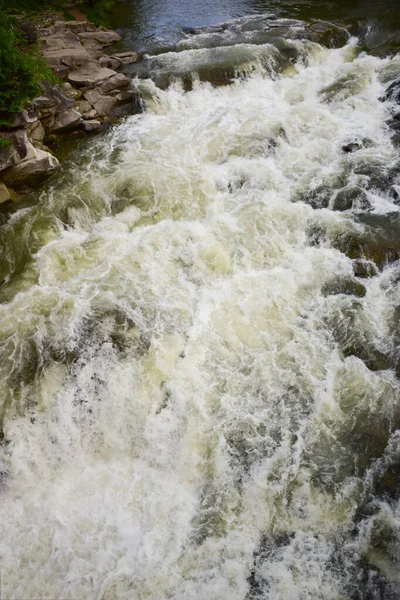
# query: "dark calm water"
[144,20]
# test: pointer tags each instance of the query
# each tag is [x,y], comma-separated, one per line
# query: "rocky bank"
[93,93]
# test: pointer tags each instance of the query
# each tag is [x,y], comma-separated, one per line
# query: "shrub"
[21,68]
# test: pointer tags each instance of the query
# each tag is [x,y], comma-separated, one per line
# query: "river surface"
[199,325]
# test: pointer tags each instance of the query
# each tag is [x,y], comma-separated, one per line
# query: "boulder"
[4,193]
[92,96]
[91,114]
[105,105]
[66,121]
[103,38]
[71,92]
[110,62]
[24,118]
[58,41]
[91,126]
[37,166]
[127,58]
[82,106]
[70,57]
[117,81]
[90,75]
[8,157]
[36,132]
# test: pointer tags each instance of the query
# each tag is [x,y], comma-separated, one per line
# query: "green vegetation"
[96,11]
[4,143]
[21,68]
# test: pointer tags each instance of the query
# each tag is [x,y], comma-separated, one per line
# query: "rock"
[344,285]
[127,58]
[90,75]
[127,96]
[24,118]
[392,93]
[37,166]
[92,96]
[4,193]
[350,197]
[82,106]
[117,81]
[60,71]
[70,57]
[105,105]
[91,114]
[66,121]
[36,132]
[103,38]
[71,92]
[110,62]
[364,268]
[8,157]
[78,26]
[58,41]
[91,126]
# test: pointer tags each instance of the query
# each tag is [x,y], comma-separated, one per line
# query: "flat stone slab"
[88,76]
[105,38]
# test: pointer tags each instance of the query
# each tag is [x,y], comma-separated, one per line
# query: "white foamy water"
[180,419]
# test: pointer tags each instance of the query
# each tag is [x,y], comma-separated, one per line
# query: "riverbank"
[93,93]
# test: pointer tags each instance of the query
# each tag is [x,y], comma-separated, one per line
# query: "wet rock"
[392,93]
[350,197]
[90,75]
[347,286]
[364,268]
[379,242]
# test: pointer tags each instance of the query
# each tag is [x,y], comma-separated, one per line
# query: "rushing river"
[199,329]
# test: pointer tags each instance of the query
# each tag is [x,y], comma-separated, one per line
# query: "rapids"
[199,390]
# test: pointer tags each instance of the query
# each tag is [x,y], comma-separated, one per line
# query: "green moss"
[4,143]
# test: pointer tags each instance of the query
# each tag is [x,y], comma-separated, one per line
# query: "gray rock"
[118,81]
[91,126]
[110,62]
[105,105]
[24,118]
[70,57]
[92,96]
[37,165]
[104,38]
[90,75]
[71,92]
[4,193]
[66,121]
[82,106]
[36,132]
[91,114]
